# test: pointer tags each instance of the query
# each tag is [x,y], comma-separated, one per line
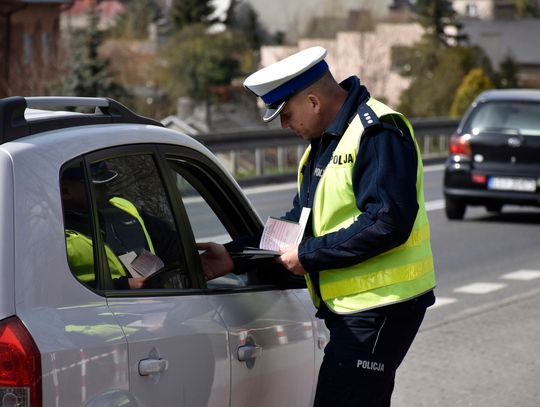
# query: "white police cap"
[277,82]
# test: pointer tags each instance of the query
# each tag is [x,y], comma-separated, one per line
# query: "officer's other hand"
[289,258]
[215,259]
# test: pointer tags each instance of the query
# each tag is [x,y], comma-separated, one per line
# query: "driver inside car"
[131,253]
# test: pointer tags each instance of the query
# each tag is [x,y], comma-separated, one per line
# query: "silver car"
[94,312]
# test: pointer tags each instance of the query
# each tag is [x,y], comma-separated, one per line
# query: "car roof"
[509,94]
[28,128]
[34,114]
[17,122]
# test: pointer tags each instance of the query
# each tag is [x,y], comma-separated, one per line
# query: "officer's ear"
[314,103]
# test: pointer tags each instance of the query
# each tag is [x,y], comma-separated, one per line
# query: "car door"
[177,342]
[271,340]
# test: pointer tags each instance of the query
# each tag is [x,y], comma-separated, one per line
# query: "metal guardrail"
[270,152]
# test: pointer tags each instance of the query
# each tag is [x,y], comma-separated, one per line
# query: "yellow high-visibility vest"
[81,258]
[128,207]
[399,274]
[80,251]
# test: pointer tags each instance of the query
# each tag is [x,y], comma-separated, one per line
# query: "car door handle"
[248,352]
[150,366]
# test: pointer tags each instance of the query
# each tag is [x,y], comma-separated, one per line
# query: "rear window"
[505,116]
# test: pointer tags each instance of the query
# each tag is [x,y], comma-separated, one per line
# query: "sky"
[221,6]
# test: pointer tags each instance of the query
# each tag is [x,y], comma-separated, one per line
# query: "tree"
[436,64]
[507,76]
[474,83]
[420,59]
[243,18]
[88,73]
[188,12]
[200,62]
[527,8]
[130,41]
[435,16]
[432,91]
[139,67]
[135,20]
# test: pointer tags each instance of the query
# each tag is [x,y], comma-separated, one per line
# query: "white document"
[126,260]
[280,233]
[143,264]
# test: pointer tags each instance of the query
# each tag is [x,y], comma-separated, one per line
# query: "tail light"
[460,145]
[20,366]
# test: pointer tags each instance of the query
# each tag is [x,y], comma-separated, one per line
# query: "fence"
[270,152]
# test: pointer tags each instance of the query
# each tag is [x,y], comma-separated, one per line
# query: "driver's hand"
[216,260]
[136,282]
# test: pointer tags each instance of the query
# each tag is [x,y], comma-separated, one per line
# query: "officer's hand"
[216,260]
[289,258]
[136,282]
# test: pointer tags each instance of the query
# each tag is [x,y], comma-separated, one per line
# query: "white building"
[293,17]
[365,54]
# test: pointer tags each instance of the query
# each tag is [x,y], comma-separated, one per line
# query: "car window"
[205,223]
[506,116]
[78,228]
[137,233]
[214,217]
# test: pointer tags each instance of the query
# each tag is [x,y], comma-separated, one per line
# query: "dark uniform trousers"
[363,353]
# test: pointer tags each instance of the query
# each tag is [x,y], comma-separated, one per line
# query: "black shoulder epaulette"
[369,119]
[367,116]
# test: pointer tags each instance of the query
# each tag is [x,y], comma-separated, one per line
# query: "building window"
[27,48]
[45,50]
[471,10]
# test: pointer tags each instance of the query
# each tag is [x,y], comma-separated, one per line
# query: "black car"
[495,153]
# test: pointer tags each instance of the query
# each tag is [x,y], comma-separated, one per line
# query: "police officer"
[366,255]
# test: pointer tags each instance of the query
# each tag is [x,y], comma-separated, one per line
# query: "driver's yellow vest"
[128,207]
[399,274]
[81,253]
[81,258]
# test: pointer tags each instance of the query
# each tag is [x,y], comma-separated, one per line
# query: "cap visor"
[271,113]
[103,178]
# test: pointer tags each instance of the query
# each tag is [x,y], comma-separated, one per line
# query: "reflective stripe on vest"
[399,274]
[131,209]
[81,258]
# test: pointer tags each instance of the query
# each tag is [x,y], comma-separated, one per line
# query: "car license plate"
[512,184]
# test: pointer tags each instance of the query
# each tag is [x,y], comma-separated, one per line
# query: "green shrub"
[474,83]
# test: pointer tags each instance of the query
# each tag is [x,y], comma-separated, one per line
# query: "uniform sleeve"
[294,213]
[384,182]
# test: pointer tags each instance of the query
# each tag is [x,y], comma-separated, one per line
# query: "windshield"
[505,116]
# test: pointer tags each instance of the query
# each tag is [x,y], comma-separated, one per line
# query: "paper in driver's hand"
[143,264]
